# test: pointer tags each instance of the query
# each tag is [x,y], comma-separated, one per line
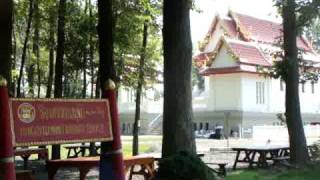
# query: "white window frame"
[260,93]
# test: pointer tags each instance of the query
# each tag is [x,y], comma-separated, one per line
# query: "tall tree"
[25,46]
[298,146]
[59,63]
[51,46]
[6,8]
[36,43]
[91,51]
[84,63]
[135,145]
[106,62]
[177,109]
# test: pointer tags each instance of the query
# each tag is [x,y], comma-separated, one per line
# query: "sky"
[200,22]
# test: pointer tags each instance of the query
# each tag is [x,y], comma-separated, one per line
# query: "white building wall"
[310,102]
[249,93]
[227,92]
[277,96]
[149,104]
[224,59]
[238,91]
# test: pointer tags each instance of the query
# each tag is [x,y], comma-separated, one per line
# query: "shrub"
[183,166]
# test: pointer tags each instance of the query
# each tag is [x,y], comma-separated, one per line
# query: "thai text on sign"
[56,121]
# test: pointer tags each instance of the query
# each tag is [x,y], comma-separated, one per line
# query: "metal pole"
[7,169]
[227,115]
[111,160]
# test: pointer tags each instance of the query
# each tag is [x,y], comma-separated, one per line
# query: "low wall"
[278,133]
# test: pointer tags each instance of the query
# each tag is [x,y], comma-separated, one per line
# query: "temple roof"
[249,40]
[265,31]
[248,53]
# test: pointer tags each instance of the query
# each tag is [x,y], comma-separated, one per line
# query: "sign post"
[7,168]
[111,160]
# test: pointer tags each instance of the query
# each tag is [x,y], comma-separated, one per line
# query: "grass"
[126,150]
[311,173]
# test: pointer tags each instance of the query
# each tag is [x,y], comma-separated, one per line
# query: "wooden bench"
[24,175]
[222,172]
[84,164]
[25,153]
[280,160]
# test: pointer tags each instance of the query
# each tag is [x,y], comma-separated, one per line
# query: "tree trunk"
[59,64]
[84,69]
[6,7]
[51,55]
[298,147]
[135,145]
[177,109]
[14,61]
[36,42]
[106,63]
[91,56]
[91,67]
[25,46]
[30,77]
[51,60]
[98,87]
[91,52]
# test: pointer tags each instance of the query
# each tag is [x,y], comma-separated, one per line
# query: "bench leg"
[236,161]
[51,173]
[131,172]
[69,152]
[25,161]
[222,170]
[83,173]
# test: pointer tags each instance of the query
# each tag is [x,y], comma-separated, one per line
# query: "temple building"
[237,95]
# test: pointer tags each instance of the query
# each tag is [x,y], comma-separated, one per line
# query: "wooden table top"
[261,147]
[94,161]
[29,150]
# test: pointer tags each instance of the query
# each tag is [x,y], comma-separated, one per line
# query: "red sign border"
[59,141]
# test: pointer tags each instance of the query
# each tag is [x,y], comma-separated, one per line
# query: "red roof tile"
[265,31]
[225,70]
[230,27]
[247,53]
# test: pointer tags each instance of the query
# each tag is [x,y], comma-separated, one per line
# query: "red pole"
[7,168]
[111,160]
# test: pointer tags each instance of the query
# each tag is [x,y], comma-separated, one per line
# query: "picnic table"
[25,153]
[80,150]
[261,153]
[84,164]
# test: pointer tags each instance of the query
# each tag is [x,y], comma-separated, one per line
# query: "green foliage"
[315,152]
[313,33]
[81,41]
[306,11]
[281,117]
[129,18]
[281,66]
[183,166]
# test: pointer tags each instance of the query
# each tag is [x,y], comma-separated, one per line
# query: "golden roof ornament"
[3,81]
[109,85]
